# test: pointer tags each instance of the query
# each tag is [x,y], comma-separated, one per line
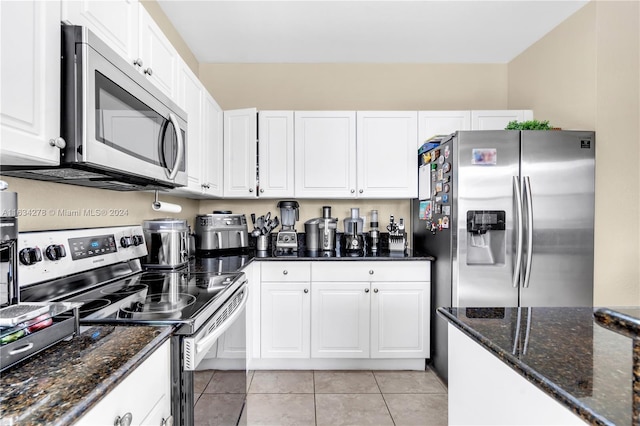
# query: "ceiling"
[317,31]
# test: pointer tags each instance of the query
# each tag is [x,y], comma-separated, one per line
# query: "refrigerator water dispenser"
[486,237]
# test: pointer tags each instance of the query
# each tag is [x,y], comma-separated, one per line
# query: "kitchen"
[591,86]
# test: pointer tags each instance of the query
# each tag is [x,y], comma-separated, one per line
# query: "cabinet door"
[159,58]
[432,123]
[497,119]
[240,153]
[285,320]
[325,154]
[115,22]
[275,153]
[386,150]
[212,161]
[145,393]
[340,319]
[30,81]
[191,99]
[400,320]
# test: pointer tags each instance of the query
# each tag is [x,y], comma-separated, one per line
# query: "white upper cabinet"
[158,58]
[191,99]
[325,154]
[240,153]
[30,81]
[497,119]
[115,22]
[211,148]
[386,154]
[275,154]
[432,123]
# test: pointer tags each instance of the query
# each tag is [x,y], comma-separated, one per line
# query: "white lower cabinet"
[145,394]
[332,310]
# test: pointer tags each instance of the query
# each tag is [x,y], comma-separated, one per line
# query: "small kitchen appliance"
[287,238]
[374,232]
[167,243]
[9,292]
[221,230]
[353,236]
[327,230]
[312,234]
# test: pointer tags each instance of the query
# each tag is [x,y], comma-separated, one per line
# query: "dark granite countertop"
[562,351]
[58,385]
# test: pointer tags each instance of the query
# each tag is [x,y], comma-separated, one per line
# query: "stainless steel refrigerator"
[509,216]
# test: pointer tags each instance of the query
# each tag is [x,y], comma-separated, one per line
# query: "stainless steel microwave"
[118,130]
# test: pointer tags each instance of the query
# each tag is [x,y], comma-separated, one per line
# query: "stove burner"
[163,303]
[91,305]
[124,291]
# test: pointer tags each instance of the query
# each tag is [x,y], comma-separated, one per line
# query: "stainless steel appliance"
[374,232]
[312,234]
[221,230]
[167,243]
[327,227]
[118,130]
[353,237]
[9,292]
[287,238]
[509,216]
[200,305]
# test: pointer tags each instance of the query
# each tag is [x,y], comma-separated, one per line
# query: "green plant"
[528,125]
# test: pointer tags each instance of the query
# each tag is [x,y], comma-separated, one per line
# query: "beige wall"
[586,74]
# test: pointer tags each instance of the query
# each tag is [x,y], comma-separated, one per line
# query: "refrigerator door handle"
[519,230]
[527,193]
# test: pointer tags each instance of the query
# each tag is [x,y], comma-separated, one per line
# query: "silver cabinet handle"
[250,189]
[124,420]
[353,191]
[519,232]
[285,272]
[58,142]
[138,62]
[167,422]
[149,72]
[306,290]
[361,191]
[375,290]
[176,166]
[366,290]
[371,272]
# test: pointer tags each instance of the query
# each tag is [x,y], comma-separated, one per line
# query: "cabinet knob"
[366,290]
[361,191]
[124,420]
[58,142]
[306,290]
[375,290]
[285,272]
[353,191]
[149,72]
[167,422]
[262,191]
[250,189]
[138,62]
[371,272]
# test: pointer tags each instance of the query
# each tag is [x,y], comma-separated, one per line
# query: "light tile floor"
[318,398]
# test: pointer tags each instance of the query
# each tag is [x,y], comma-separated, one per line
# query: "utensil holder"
[262,242]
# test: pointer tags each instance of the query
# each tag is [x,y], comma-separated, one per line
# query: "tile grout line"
[315,404]
[383,398]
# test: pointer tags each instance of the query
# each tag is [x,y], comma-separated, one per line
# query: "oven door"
[126,123]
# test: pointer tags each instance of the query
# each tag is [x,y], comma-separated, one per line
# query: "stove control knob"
[125,241]
[30,255]
[55,252]
[137,240]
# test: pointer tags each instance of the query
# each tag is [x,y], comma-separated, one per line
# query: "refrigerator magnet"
[438,187]
[446,167]
[445,222]
[425,210]
[435,155]
[438,199]
[441,160]
[446,151]
[445,198]
[440,174]
[446,210]
[433,176]
[484,156]
[438,209]
[446,187]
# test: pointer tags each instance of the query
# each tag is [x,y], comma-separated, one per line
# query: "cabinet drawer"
[371,271]
[286,271]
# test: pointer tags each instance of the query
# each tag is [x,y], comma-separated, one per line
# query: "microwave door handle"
[527,271]
[174,171]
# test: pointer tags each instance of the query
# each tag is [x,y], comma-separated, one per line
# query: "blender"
[287,238]
[353,237]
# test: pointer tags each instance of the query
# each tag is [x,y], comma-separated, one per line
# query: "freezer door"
[559,168]
[487,165]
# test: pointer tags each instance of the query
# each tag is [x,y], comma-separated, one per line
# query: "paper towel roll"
[160,206]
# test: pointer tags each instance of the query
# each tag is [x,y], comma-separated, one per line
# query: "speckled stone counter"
[61,383]
[563,351]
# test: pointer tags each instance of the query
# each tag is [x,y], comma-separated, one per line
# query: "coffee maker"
[287,238]
[353,238]
[9,290]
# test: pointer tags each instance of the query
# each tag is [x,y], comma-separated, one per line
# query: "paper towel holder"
[159,206]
